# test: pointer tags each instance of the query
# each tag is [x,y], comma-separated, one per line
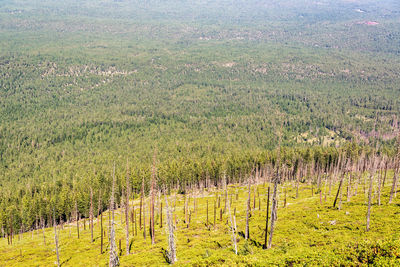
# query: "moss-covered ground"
[307,233]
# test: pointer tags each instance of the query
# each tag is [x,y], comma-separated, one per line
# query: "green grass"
[306,233]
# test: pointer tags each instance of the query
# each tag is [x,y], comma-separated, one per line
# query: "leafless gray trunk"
[101,233]
[56,238]
[77,217]
[394,185]
[340,197]
[273,211]
[153,181]
[99,205]
[114,260]
[44,237]
[127,208]
[380,183]
[144,219]
[170,232]
[247,232]
[232,219]
[266,220]
[274,206]
[371,180]
[396,171]
[141,204]
[91,214]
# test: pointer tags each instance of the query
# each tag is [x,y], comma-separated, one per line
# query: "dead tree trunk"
[207,214]
[91,214]
[254,196]
[56,237]
[134,217]
[185,209]
[273,211]
[101,233]
[340,197]
[215,212]
[297,181]
[153,178]
[127,191]
[247,232]
[232,221]
[141,204]
[226,194]
[394,185]
[386,168]
[371,179]
[171,254]
[338,191]
[380,183]
[99,208]
[114,260]
[161,212]
[44,237]
[348,197]
[396,171]
[266,221]
[144,220]
[77,217]
[274,207]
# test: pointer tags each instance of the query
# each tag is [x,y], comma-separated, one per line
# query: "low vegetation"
[309,230]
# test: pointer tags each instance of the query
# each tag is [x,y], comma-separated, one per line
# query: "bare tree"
[99,209]
[144,219]
[171,254]
[371,179]
[226,192]
[91,214]
[127,191]
[56,237]
[339,191]
[247,232]
[215,212]
[114,260]
[298,178]
[266,221]
[153,179]
[396,171]
[231,219]
[141,204]
[207,214]
[77,217]
[42,222]
[381,165]
[101,233]
[274,207]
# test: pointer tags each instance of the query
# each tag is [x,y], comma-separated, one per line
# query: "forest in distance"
[187,116]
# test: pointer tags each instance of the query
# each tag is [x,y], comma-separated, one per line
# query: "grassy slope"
[303,234]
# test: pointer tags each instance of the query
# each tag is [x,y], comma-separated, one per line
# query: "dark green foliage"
[207,83]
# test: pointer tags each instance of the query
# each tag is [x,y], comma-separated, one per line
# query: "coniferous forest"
[199,133]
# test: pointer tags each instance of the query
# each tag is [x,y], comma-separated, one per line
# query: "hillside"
[306,232]
[180,96]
